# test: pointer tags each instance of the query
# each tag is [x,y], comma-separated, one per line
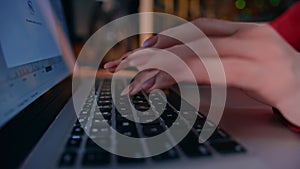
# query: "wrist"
[285,121]
[290,110]
[289,104]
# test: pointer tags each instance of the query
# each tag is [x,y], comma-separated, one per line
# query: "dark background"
[84,17]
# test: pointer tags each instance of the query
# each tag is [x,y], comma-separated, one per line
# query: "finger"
[162,80]
[141,81]
[217,46]
[206,60]
[137,59]
[235,47]
[158,80]
[112,65]
[160,41]
[238,72]
[148,58]
[148,84]
[112,70]
[210,27]
[171,60]
[217,27]
[138,86]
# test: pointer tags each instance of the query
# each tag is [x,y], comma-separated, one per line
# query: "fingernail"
[134,91]
[148,83]
[150,42]
[126,91]
[105,66]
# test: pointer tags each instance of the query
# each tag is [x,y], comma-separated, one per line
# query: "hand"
[255,58]
[160,79]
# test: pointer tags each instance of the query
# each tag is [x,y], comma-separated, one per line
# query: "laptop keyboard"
[81,150]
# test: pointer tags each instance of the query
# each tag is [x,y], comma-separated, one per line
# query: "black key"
[86,109]
[125,115]
[95,158]
[83,112]
[132,133]
[152,130]
[126,160]
[105,108]
[105,98]
[219,135]
[228,147]
[123,99]
[168,108]
[192,148]
[147,120]
[106,89]
[90,100]
[174,100]
[120,119]
[144,107]
[169,122]
[125,123]
[91,146]
[169,115]
[190,115]
[155,97]
[105,93]
[146,114]
[104,102]
[87,105]
[123,110]
[196,150]
[77,124]
[106,115]
[101,115]
[74,142]
[77,130]
[138,96]
[186,107]
[67,159]
[82,121]
[100,123]
[100,132]
[178,126]
[169,155]
[140,101]
[198,125]
[83,116]
[126,126]
[159,105]
[135,151]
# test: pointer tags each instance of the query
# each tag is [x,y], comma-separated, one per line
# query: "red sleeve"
[288,25]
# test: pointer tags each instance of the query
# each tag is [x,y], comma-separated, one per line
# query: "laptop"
[40,128]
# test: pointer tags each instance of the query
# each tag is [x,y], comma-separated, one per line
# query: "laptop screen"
[31,56]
